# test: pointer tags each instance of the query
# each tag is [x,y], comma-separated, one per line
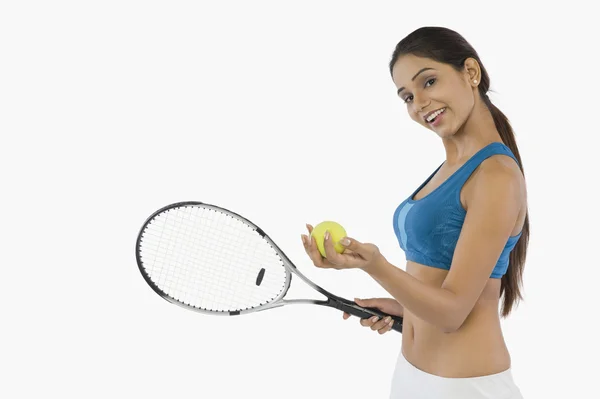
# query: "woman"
[464,231]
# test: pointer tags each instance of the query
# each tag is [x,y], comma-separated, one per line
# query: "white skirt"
[411,382]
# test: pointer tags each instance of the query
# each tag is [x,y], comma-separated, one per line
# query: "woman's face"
[425,85]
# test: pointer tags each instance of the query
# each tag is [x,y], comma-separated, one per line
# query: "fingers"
[380,325]
[388,323]
[310,246]
[365,303]
[375,323]
[330,253]
[309,227]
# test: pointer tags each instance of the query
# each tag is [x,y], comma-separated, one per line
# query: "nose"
[420,102]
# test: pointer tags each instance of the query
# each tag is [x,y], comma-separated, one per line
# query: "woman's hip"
[410,382]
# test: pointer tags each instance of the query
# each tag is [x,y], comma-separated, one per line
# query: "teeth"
[432,116]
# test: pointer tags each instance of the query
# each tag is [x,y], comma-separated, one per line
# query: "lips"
[431,112]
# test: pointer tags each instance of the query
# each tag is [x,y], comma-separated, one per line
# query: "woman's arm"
[491,215]
[434,305]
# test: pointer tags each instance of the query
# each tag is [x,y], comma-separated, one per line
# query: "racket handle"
[365,313]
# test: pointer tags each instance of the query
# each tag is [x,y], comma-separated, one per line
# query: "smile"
[429,118]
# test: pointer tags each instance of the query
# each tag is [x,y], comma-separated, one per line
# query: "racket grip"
[365,313]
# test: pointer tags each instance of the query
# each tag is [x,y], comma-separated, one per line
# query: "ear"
[472,71]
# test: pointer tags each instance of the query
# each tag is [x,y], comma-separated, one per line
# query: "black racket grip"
[365,313]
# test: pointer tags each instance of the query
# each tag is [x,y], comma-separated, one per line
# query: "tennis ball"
[336,232]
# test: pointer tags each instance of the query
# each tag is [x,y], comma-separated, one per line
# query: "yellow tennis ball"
[336,232]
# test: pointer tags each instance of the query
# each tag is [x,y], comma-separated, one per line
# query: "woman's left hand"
[356,255]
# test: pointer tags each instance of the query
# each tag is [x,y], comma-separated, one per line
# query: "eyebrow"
[413,78]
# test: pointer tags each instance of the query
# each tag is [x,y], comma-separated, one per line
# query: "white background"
[285,113]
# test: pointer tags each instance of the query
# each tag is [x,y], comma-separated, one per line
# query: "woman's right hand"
[386,305]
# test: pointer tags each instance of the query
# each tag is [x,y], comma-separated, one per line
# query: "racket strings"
[184,276]
[210,260]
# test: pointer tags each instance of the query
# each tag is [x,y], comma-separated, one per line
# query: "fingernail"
[388,319]
[391,323]
[374,319]
[327,234]
[344,241]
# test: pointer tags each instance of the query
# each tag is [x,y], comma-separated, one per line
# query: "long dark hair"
[447,46]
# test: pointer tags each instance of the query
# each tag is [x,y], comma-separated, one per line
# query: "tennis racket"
[211,260]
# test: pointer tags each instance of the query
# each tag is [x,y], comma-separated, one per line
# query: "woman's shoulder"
[498,173]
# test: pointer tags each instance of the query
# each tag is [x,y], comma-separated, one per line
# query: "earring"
[475,81]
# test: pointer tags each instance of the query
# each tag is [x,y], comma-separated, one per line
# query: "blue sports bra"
[428,229]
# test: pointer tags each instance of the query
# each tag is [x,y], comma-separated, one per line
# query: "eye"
[406,98]
[432,79]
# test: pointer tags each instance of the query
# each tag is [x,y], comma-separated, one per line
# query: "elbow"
[454,322]
[451,328]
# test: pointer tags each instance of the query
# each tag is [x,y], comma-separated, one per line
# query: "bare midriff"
[477,348]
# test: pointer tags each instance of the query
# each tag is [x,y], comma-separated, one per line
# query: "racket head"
[211,260]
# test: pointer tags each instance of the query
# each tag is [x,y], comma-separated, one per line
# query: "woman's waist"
[471,350]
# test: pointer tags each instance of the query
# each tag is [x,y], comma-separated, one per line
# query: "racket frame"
[333,300]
